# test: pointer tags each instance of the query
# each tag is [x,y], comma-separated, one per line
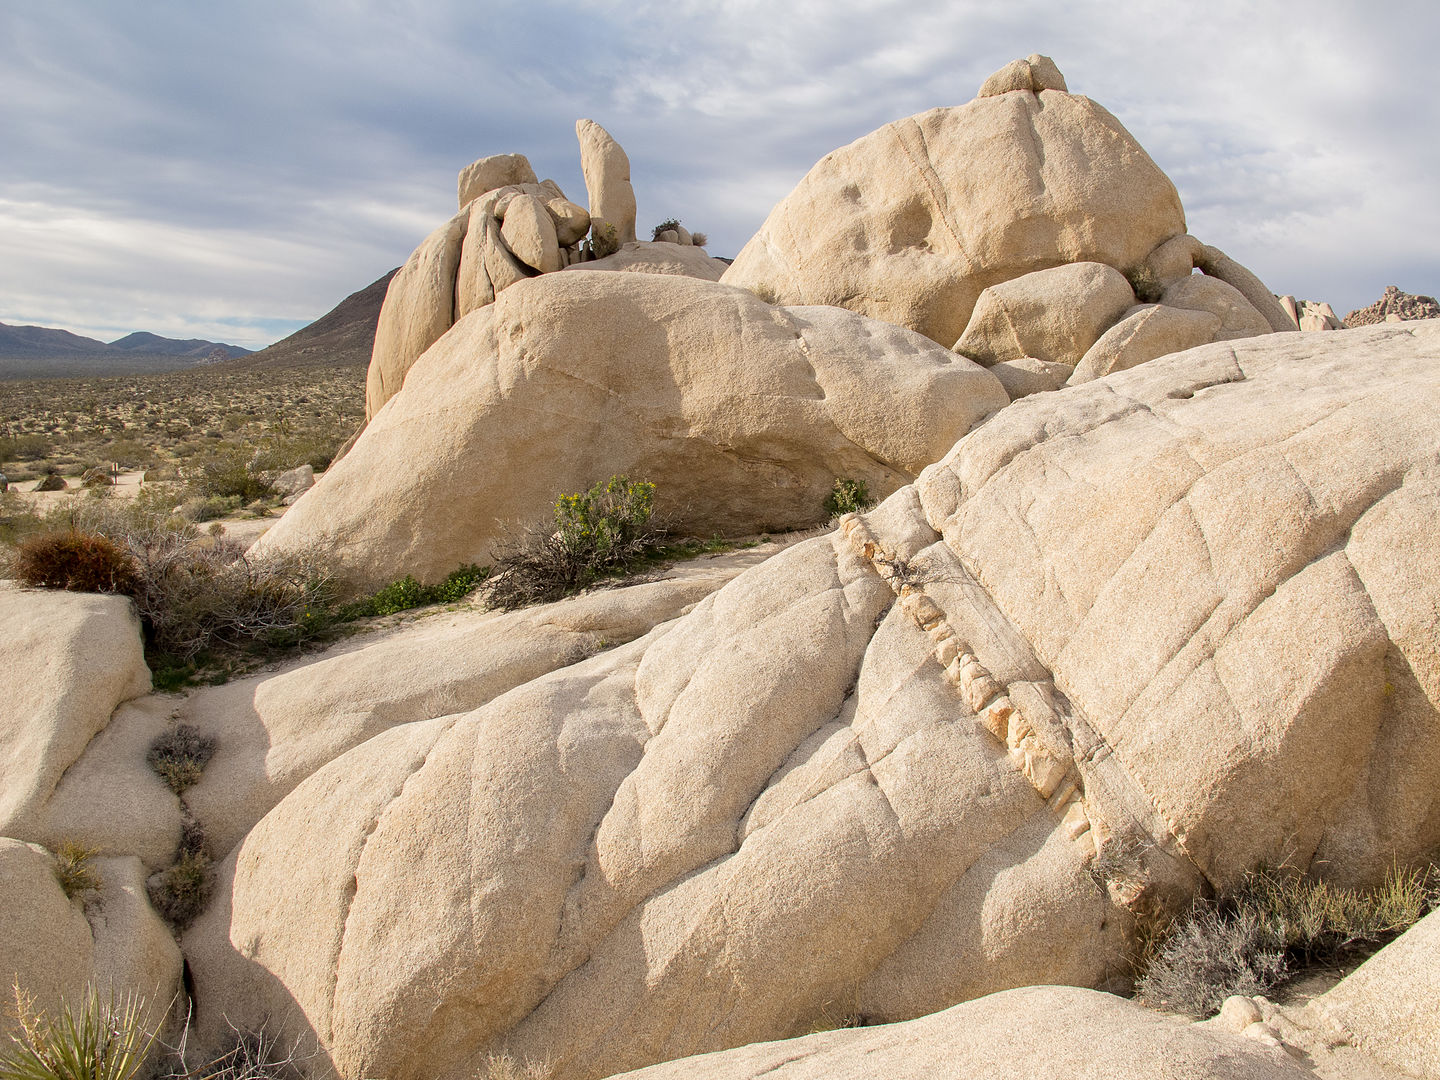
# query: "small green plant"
[180,893]
[847,496]
[604,240]
[78,561]
[594,534]
[408,593]
[104,1039]
[179,756]
[73,870]
[667,225]
[1247,943]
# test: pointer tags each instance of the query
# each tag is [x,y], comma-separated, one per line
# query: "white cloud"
[247,165]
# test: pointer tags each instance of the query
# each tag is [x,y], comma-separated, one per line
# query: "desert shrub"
[104,1039]
[78,561]
[194,596]
[17,518]
[664,226]
[179,756]
[25,447]
[596,533]
[604,241]
[226,472]
[847,496]
[180,893]
[408,593]
[202,508]
[1248,942]
[73,870]
[699,239]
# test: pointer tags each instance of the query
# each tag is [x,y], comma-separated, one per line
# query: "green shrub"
[408,593]
[73,870]
[180,893]
[664,226]
[1248,942]
[23,447]
[226,472]
[847,496]
[202,508]
[78,561]
[179,756]
[105,1039]
[596,533]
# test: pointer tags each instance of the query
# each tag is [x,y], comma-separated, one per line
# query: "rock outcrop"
[67,661]
[742,414]
[512,227]
[1395,306]
[1123,641]
[1002,227]
[607,179]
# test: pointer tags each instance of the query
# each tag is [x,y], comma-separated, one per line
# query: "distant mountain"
[343,337]
[205,352]
[39,352]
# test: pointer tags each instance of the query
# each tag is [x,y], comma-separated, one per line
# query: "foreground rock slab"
[1017,1035]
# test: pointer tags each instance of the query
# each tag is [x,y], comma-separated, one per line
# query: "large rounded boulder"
[743,415]
[912,222]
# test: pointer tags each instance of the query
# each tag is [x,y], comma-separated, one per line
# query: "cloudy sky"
[231,171]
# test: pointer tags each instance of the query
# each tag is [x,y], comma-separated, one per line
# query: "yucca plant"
[103,1039]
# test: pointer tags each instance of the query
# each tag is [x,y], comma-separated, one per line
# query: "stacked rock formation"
[512,227]
[1395,306]
[1027,229]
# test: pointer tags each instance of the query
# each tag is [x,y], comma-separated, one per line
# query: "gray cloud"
[230,171]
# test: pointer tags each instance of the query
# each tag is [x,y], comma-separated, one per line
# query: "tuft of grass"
[102,1039]
[179,756]
[180,893]
[847,496]
[73,870]
[1249,942]
[505,1066]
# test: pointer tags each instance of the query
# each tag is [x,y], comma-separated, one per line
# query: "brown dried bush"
[78,561]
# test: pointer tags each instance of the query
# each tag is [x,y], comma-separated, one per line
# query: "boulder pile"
[512,227]
[1395,306]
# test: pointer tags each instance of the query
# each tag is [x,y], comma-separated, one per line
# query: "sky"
[232,171]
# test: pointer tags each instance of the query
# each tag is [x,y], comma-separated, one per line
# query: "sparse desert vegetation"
[215,425]
[1279,922]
